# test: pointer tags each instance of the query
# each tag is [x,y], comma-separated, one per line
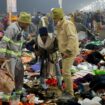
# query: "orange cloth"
[20,103]
[14,18]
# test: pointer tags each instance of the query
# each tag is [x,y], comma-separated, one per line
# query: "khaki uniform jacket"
[67,37]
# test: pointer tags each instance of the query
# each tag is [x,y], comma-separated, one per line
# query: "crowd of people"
[55,42]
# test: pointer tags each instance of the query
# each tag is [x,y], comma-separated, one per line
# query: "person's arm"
[5,41]
[72,38]
[55,47]
[9,33]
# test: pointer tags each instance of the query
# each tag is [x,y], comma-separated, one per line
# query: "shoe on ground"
[66,96]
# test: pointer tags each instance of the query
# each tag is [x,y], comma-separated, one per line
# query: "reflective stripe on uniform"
[19,43]
[10,52]
[3,50]
[6,39]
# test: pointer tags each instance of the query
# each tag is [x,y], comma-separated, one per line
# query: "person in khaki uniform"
[68,46]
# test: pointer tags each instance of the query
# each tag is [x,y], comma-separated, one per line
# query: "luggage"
[7,83]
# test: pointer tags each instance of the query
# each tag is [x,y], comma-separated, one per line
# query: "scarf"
[49,41]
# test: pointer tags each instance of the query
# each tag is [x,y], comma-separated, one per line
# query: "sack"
[7,83]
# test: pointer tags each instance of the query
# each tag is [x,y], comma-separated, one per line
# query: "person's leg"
[43,74]
[55,68]
[51,69]
[19,74]
[58,74]
[11,66]
[67,64]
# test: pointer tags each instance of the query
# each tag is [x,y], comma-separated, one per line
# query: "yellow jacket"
[67,37]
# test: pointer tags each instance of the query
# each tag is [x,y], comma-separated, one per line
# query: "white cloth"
[90,102]
[103,51]
[43,21]
[49,41]
[94,101]
[82,35]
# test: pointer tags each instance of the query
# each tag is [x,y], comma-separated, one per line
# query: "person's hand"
[29,38]
[65,55]
[103,97]
[37,53]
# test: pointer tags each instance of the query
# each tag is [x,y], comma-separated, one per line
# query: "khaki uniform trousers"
[67,64]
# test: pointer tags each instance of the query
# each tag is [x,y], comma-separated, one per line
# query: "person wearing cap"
[68,46]
[11,47]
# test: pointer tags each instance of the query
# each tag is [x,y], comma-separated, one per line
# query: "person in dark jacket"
[46,51]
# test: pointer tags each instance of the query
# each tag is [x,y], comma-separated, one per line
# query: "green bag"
[99,72]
